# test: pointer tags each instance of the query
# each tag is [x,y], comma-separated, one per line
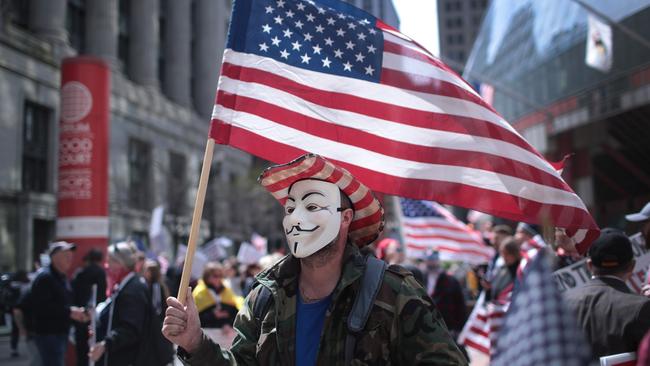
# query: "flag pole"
[196,220]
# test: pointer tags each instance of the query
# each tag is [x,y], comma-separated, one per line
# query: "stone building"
[164,56]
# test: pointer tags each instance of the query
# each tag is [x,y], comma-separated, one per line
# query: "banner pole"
[196,220]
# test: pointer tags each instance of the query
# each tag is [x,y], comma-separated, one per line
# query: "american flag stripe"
[409,126]
[455,148]
[483,325]
[335,109]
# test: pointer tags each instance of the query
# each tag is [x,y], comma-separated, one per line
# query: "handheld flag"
[328,78]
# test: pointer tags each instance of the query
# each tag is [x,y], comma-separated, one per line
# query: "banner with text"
[83,154]
[578,274]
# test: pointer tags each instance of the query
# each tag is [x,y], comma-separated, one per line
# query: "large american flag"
[430,226]
[328,78]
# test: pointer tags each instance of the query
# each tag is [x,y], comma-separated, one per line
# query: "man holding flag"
[312,294]
[327,78]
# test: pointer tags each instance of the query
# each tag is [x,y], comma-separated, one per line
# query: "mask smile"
[301,230]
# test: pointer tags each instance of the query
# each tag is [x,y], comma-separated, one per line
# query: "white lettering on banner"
[76,227]
[578,274]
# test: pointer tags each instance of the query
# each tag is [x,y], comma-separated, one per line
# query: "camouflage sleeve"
[243,347]
[422,337]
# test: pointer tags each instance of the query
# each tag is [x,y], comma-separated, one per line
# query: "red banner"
[83,154]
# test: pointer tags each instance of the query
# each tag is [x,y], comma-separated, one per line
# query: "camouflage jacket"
[404,327]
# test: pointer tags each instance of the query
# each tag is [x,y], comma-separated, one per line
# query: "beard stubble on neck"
[323,256]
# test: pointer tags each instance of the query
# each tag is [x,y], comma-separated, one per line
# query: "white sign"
[578,274]
[599,45]
[248,254]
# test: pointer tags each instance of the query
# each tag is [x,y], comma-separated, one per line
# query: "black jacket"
[84,280]
[612,317]
[51,297]
[130,313]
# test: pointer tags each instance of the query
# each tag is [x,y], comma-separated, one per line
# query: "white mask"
[312,216]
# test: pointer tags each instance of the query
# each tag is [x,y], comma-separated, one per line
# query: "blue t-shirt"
[309,326]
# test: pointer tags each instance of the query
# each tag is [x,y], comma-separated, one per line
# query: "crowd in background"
[131,289]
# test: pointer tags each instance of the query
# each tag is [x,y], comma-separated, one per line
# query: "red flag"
[327,78]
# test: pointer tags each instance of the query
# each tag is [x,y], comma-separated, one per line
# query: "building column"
[177,52]
[143,45]
[101,29]
[47,20]
[209,41]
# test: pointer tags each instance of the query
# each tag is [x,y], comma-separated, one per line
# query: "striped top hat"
[368,220]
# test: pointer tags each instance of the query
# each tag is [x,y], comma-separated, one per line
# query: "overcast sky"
[419,20]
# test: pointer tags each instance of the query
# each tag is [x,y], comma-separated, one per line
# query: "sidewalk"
[5,353]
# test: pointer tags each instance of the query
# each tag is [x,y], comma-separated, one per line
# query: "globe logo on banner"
[76,101]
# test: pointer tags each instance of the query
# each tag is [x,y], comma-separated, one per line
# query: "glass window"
[18,11]
[177,184]
[36,143]
[123,34]
[139,174]
[75,24]
[162,40]
[450,39]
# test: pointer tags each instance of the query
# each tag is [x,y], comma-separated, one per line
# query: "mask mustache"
[297,227]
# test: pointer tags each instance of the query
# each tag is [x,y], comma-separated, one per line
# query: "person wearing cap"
[121,318]
[329,214]
[643,218]
[613,318]
[52,307]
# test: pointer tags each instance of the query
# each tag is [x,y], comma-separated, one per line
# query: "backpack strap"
[370,284]
[261,306]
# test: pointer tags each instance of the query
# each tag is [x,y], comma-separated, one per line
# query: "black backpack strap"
[370,284]
[261,306]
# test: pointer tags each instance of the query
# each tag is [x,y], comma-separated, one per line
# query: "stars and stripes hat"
[368,220]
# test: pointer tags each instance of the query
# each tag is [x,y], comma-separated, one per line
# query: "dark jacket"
[51,298]
[613,318]
[130,313]
[84,280]
[450,301]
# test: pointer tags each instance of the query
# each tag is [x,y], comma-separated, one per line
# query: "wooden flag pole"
[196,221]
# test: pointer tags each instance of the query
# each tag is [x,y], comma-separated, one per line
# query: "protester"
[122,317]
[446,293]
[499,234]
[11,287]
[217,303]
[160,350]
[91,274]
[231,277]
[328,214]
[51,297]
[642,238]
[390,250]
[501,285]
[613,318]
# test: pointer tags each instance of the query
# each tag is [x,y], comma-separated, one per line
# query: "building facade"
[532,54]
[458,24]
[164,57]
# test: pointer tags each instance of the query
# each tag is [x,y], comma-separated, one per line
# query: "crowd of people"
[300,308]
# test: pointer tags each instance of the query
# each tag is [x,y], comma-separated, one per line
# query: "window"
[36,136]
[123,34]
[460,39]
[459,22]
[139,174]
[75,24]
[177,184]
[450,39]
[459,6]
[448,6]
[450,23]
[18,11]
[162,10]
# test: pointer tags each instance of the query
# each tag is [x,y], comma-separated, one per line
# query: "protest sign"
[578,274]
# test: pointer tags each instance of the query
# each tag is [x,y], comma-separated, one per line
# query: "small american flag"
[328,78]
[538,329]
[483,325]
[429,226]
